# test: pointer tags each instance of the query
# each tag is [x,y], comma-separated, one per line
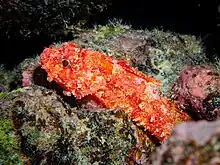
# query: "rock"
[198,91]
[192,143]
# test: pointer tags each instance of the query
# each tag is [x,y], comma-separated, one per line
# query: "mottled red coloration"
[114,84]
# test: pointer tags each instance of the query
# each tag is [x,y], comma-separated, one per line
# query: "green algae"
[9,149]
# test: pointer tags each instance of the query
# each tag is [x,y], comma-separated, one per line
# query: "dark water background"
[186,17]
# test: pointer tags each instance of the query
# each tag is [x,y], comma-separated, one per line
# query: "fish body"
[115,84]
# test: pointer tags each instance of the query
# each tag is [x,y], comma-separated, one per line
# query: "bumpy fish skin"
[114,84]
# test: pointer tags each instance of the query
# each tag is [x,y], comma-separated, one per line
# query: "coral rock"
[191,143]
[198,91]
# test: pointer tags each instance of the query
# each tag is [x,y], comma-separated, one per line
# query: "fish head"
[63,64]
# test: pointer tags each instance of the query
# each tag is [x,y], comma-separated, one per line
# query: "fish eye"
[65,63]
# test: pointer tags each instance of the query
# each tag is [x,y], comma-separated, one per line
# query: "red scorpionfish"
[114,84]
